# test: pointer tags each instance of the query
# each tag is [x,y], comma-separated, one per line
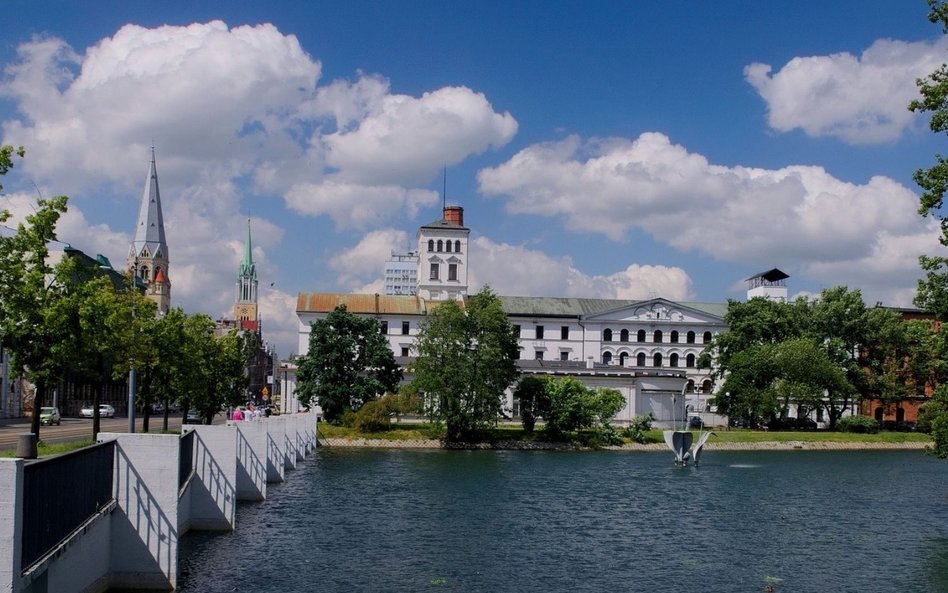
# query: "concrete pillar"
[144,542]
[213,488]
[11,523]
[276,449]
[251,460]
[289,441]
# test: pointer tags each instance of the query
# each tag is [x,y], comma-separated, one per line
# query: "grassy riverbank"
[743,438]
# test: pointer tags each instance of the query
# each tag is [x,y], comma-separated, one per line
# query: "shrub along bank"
[418,431]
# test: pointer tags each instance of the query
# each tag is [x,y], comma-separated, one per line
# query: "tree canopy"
[31,289]
[815,354]
[348,363]
[67,317]
[933,289]
[466,360]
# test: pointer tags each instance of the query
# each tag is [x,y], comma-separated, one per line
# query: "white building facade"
[646,349]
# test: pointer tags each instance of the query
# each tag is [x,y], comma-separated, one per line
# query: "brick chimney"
[454,214]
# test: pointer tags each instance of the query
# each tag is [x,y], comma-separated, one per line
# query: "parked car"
[193,417]
[105,411]
[695,422]
[50,416]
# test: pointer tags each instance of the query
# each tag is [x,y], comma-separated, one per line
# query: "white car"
[105,411]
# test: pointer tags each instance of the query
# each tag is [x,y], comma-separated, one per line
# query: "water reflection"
[471,521]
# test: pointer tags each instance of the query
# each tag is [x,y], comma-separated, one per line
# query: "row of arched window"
[658,361]
[440,246]
[657,336]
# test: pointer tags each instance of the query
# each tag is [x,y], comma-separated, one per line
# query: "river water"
[363,520]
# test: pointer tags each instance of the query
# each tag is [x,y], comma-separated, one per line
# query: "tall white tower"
[442,257]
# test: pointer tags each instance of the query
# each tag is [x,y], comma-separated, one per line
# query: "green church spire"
[246,269]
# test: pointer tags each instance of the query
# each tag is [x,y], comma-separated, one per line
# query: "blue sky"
[608,149]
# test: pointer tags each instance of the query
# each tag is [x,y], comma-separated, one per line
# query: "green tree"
[466,361]
[30,288]
[97,320]
[222,375]
[934,418]
[6,158]
[755,322]
[203,365]
[348,363]
[746,393]
[933,289]
[571,406]
[531,395]
[169,358]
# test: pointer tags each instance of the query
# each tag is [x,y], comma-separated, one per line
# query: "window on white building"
[452,271]
[405,327]
[434,272]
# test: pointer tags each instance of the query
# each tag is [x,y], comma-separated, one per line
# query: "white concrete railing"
[133,543]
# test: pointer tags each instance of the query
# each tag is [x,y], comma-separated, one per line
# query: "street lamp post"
[131,400]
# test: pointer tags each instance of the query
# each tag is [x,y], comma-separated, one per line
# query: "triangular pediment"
[657,310]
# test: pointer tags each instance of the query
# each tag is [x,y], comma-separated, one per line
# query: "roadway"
[77,429]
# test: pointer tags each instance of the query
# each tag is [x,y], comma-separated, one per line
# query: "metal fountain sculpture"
[681,441]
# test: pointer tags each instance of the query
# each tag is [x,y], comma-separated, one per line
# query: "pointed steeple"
[150,231]
[246,268]
[245,307]
[148,255]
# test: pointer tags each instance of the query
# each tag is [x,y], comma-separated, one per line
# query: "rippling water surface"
[360,520]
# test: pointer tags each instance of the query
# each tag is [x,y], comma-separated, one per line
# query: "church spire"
[151,225]
[245,307]
[246,265]
[148,255]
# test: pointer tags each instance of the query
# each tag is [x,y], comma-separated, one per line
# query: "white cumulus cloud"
[236,114]
[518,271]
[799,216]
[858,99]
[402,137]
[361,266]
